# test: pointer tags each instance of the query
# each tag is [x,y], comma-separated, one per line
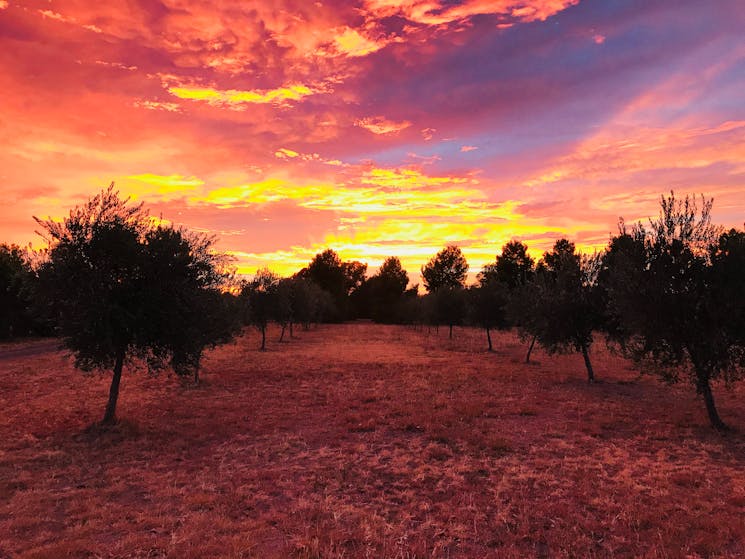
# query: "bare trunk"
[292,335]
[263,338]
[705,389]
[109,416]
[488,337]
[590,372]
[196,374]
[450,334]
[530,350]
[282,335]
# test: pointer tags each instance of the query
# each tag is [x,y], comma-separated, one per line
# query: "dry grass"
[368,441]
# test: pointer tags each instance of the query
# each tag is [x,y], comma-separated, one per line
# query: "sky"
[373,127]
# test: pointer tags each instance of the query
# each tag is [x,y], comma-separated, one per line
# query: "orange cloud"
[381,125]
[158,106]
[434,12]
[351,42]
[65,19]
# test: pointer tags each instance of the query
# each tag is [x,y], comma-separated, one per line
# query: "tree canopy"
[513,267]
[558,307]
[120,287]
[16,305]
[262,297]
[675,292]
[447,269]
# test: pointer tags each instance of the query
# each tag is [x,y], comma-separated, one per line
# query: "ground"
[361,440]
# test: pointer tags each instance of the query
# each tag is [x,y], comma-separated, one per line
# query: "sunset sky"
[373,127]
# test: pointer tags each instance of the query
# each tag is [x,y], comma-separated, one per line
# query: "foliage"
[487,305]
[119,287]
[261,295]
[188,312]
[16,285]
[513,267]
[675,291]
[337,278]
[447,269]
[560,306]
[447,306]
[385,291]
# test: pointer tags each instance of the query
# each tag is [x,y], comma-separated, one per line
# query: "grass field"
[373,441]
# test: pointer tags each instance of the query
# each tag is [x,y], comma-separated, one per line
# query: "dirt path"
[29,349]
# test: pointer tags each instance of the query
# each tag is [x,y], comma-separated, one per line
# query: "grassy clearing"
[368,441]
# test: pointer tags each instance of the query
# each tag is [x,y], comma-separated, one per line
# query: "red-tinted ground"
[368,441]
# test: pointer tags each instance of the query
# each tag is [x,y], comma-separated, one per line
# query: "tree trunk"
[530,350]
[705,389]
[488,337]
[196,374]
[263,338]
[109,416]
[450,334]
[590,372]
[292,335]
[282,335]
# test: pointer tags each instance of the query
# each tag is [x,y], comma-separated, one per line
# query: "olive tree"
[261,295]
[503,299]
[560,303]
[118,287]
[444,277]
[447,269]
[16,282]
[675,291]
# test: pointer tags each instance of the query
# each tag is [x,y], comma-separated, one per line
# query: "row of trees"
[115,286]
[668,295]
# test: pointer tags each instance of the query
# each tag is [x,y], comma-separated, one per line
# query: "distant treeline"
[667,294]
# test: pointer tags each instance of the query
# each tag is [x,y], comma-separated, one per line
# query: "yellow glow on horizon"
[406,178]
[168,183]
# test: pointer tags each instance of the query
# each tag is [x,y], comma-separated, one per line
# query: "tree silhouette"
[504,282]
[101,283]
[563,302]
[513,267]
[339,279]
[675,290]
[190,312]
[448,306]
[306,301]
[327,272]
[16,283]
[386,289]
[487,306]
[354,275]
[448,268]
[444,277]
[284,311]
[261,296]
